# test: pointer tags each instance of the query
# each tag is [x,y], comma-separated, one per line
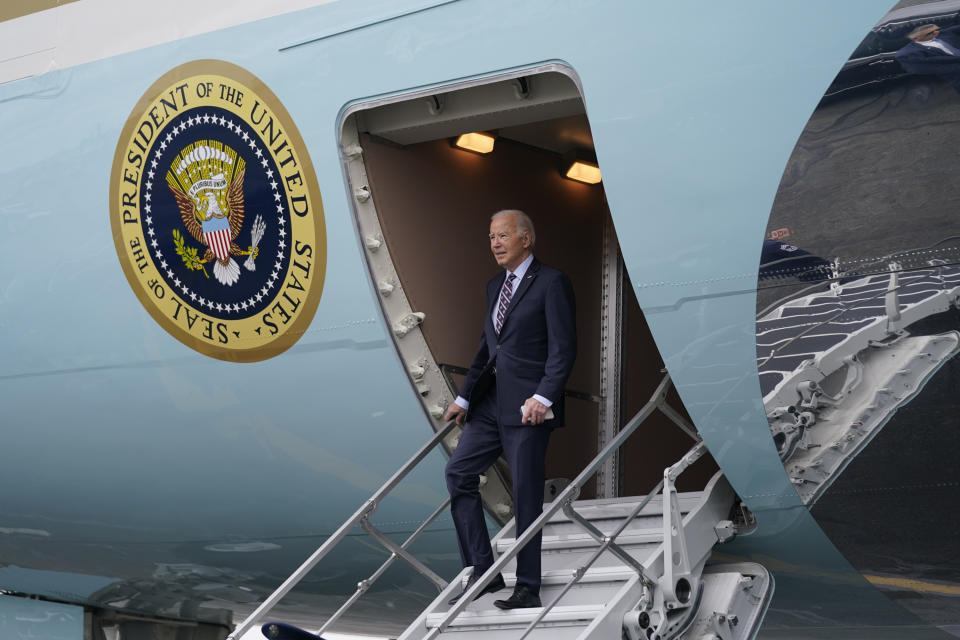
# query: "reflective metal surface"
[857,321]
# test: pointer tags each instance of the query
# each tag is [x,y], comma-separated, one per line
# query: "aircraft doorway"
[423,212]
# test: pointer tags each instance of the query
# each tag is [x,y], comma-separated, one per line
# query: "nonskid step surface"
[604,508]
[554,631]
[607,527]
[581,593]
[582,540]
[565,615]
[562,576]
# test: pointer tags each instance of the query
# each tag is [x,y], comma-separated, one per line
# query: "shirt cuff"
[539,398]
[461,402]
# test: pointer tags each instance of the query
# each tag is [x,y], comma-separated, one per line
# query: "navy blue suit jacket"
[918,58]
[535,349]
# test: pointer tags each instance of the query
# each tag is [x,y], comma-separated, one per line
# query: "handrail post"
[678,582]
[421,568]
[365,584]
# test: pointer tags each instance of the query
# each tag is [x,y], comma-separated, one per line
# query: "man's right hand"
[455,412]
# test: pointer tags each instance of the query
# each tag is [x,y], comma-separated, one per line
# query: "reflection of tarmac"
[873,176]
[893,512]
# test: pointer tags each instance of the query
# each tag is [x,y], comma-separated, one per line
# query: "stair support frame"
[678,583]
[365,510]
[398,550]
[564,501]
[364,585]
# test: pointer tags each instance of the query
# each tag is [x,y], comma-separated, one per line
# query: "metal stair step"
[617,573]
[597,585]
[555,631]
[579,615]
[568,560]
[609,525]
[571,559]
[603,508]
[594,574]
[585,540]
[607,515]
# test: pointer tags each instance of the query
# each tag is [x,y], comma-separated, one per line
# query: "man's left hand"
[534,411]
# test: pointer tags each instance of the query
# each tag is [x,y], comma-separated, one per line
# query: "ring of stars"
[154,244]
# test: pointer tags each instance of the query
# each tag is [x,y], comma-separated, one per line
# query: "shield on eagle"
[216,232]
[206,179]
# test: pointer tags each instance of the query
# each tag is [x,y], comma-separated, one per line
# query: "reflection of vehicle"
[780,260]
[173,464]
[872,61]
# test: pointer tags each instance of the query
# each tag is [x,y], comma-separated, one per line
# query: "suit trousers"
[525,447]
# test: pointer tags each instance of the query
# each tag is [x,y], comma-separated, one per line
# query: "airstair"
[635,568]
[835,364]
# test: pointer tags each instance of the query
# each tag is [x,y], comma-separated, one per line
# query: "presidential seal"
[216,213]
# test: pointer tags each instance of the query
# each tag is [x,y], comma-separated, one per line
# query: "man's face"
[509,247]
[929,33]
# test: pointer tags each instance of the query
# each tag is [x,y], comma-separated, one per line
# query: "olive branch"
[188,254]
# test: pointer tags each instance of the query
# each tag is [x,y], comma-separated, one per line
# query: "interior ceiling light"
[584,172]
[476,142]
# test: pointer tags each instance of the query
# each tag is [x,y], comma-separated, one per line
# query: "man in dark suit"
[933,51]
[512,399]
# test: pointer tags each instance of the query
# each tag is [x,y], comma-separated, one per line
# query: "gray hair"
[921,29]
[523,221]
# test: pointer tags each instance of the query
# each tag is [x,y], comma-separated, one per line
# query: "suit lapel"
[521,289]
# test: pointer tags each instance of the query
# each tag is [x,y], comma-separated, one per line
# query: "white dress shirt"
[936,43]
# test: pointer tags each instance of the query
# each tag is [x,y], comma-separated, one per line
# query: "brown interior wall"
[435,203]
[658,442]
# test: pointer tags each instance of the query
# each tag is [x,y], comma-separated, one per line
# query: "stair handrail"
[568,495]
[579,572]
[606,541]
[361,516]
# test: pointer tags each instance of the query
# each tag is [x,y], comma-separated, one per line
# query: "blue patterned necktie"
[505,294]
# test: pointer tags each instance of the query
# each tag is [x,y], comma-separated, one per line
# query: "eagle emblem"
[206,179]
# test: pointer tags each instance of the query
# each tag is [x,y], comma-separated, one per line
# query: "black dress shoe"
[522,598]
[495,585]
